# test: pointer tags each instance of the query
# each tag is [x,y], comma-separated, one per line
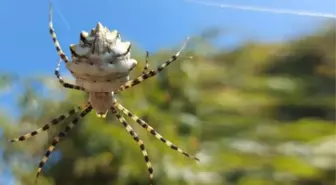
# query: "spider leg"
[152,131]
[62,82]
[151,73]
[147,64]
[53,36]
[137,139]
[47,126]
[56,140]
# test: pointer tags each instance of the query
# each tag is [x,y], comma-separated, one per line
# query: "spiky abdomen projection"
[101,62]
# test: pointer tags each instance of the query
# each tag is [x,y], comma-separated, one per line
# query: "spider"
[101,65]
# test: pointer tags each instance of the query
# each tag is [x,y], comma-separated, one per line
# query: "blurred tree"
[260,114]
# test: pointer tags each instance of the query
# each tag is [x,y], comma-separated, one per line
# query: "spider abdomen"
[101,77]
[101,62]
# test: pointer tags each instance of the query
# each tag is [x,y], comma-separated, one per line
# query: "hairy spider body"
[101,64]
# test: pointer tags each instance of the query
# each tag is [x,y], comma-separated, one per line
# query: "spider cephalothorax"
[101,65]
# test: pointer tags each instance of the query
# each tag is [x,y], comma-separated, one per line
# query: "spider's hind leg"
[62,82]
[151,73]
[145,69]
[54,38]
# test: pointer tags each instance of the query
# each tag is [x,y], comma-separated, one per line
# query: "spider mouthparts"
[101,115]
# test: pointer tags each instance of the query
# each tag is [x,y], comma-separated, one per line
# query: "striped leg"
[151,73]
[147,64]
[62,82]
[53,36]
[56,140]
[137,139]
[47,126]
[153,132]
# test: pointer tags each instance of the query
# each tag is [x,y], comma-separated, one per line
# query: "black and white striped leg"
[54,38]
[48,125]
[138,140]
[152,131]
[151,73]
[147,64]
[56,140]
[62,82]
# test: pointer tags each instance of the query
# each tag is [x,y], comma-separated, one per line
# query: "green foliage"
[260,114]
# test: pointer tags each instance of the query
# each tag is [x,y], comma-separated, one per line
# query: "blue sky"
[152,24]
[26,47]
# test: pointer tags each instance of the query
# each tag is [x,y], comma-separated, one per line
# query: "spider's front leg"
[152,131]
[136,139]
[62,82]
[53,122]
[152,73]
[56,140]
